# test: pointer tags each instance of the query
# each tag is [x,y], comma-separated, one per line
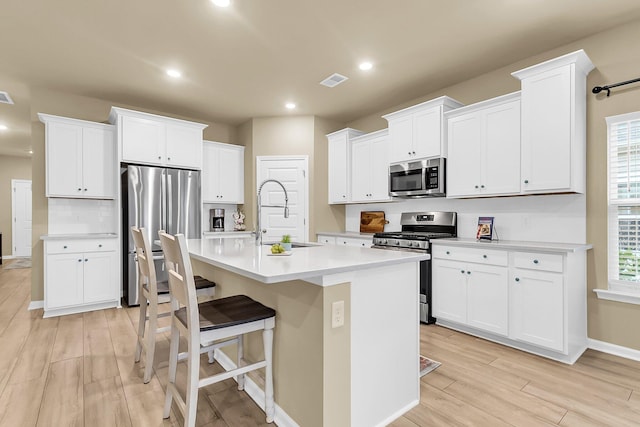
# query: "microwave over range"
[418,178]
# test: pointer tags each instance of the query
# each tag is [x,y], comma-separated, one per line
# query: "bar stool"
[210,321]
[150,288]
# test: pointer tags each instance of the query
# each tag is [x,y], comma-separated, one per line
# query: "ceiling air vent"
[333,80]
[5,98]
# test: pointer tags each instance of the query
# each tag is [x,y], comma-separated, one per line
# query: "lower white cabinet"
[471,293]
[529,297]
[80,275]
[361,242]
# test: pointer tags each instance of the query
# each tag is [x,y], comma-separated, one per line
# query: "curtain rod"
[598,89]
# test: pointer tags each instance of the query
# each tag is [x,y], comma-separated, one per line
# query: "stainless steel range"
[418,228]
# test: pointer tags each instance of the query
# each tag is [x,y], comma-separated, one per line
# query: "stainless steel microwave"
[417,178]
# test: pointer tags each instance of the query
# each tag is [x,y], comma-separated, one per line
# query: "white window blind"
[624,201]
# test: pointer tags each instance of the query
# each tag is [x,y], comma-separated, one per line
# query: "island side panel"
[337,358]
[385,344]
[298,339]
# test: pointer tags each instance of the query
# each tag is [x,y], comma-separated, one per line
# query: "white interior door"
[292,173]
[21,213]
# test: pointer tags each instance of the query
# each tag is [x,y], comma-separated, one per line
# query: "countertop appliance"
[156,198]
[216,219]
[418,178]
[418,229]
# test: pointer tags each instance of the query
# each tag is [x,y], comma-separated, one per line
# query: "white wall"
[549,218]
[76,216]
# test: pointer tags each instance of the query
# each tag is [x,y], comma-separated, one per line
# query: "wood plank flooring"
[78,371]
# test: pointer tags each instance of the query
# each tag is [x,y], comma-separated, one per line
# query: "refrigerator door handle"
[169,206]
[163,200]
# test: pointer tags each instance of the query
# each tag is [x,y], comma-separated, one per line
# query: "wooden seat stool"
[207,322]
[150,288]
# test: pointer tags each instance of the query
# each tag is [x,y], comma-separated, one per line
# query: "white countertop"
[78,236]
[514,245]
[346,234]
[243,257]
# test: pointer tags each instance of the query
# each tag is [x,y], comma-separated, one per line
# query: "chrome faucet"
[259,230]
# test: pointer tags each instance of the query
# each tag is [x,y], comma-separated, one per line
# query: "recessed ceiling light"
[221,3]
[3,127]
[365,66]
[290,105]
[30,151]
[174,73]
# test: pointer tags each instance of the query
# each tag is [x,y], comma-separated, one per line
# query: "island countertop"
[243,257]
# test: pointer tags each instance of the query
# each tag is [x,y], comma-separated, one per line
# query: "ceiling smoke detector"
[5,98]
[333,80]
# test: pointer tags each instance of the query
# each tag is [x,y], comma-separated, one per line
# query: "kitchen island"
[364,372]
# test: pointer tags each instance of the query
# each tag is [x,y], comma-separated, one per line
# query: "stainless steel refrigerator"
[155,199]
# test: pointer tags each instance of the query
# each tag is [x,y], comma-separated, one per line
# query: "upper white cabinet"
[554,124]
[222,173]
[339,167]
[370,168]
[80,158]
[484,148]
[418,131]
[156,140]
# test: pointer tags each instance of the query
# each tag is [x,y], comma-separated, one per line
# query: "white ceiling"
[249,59]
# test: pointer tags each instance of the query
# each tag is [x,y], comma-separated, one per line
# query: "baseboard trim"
[614,349]
[281,418]
[4,257]
[34,305]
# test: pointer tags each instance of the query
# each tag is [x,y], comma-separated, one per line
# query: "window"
[624,202]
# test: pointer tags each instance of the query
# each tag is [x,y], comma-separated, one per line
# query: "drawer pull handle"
[535,261]
[99,246]
[468,272]
[484,256]
[517,279]
[64,247]
[448,253]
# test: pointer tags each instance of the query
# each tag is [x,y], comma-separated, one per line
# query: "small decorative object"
[238,221]
[286,242]
[485,228]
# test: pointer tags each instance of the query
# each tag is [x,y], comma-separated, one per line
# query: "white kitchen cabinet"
[484,148]
[80,158]
[328,240]
[554,124]
[222,173]
[530,296]
[80,275]
[339,165]
[370,168]
[470,288]
[537,300]
[418,131]
[156,140]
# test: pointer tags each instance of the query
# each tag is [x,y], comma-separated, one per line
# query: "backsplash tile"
[79,216]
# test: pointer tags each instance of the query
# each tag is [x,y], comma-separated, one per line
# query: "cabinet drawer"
[350,241]
[78,246]
[481,256]
[537,261]
[327,239]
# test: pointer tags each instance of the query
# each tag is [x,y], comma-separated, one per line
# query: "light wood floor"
[78,371]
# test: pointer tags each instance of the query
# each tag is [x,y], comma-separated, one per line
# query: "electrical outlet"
[337,314]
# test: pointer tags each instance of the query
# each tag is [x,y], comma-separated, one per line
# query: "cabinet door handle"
[79,260]
[462,271]
[535,261]
[99,246]
[413,152]
[484,256]
[169,158]
[482,186]
[526,181]
[85,189]
[79,189]
[517,279]
[85,260]
[159,157]
[448,253]
[64,247]
[476,186]
[408,153]
[468,272]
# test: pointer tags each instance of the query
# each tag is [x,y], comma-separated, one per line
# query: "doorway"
[21,215]
[292,172]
